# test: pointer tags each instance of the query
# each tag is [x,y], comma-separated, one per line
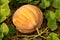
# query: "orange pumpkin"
[27,18]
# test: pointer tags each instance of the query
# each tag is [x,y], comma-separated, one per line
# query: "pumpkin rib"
[33,14]
[16,24]
[40,15]
[16,21]
[33,10]
[21,18]
[28,16]
[22,27]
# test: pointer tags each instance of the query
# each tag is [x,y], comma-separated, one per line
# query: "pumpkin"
[27,18]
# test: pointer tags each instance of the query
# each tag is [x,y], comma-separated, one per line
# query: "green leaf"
[50,1]
[1,35]
[4,13]
[59,36]
[2,19]
[52,24]
[4,28]
[50,15]
[57,12]
[44,4]
[12,30]
[56,4]
[6,38]
[52,36]
[1,3]
[34,2]
[0,39]
[15,3]
[0,16]
[24,1]
[4,1]
[30,1]
[51,18]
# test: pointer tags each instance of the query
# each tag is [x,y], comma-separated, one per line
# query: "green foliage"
[12,30]
[34,2]
[57,12]
[5,11]
[51,18]
[1,35]
[59,36]
[56,4]
[52,24]
[17,3]
[3,30]
[24,1]
[4,1]
[50,15]
[52,36]
[6,31]
[44,4]
[50,1]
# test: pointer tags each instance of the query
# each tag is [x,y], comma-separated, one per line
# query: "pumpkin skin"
[27,18]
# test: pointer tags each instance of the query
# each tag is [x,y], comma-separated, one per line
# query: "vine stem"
[39,34]
[34,36]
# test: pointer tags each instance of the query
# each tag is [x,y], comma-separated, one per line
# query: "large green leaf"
[56,4]
[2,19]
[4,28]
[52,24]
[50,15]
[44,4]
[57,15]
[51,18]
[4,1]
[4,11]
[52,36]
